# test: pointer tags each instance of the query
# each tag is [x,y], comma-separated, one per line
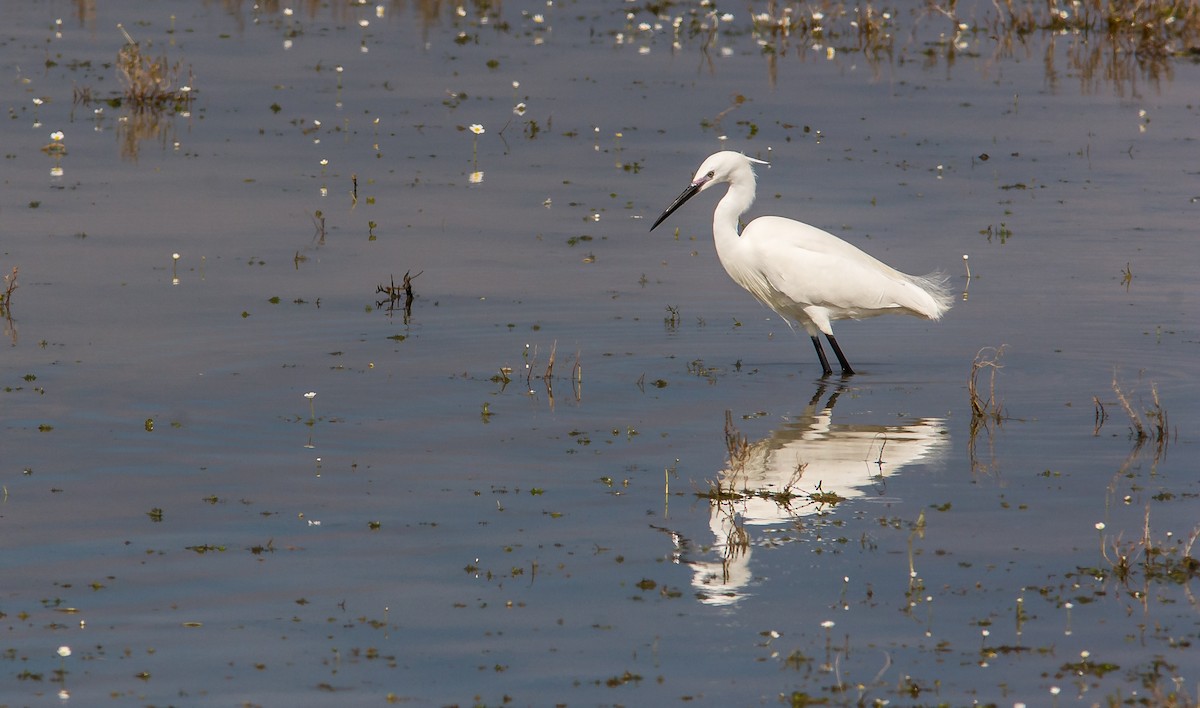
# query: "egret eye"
[711,174]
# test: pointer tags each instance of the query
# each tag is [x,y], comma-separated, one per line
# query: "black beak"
[686,195]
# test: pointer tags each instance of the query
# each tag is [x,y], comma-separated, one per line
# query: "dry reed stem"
[550,365]
[10,284]
[990,408]
[151,84]
[1101,415]
[1134,418]
[736,444]
[1156,425]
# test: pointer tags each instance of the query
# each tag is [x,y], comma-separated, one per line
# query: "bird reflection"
[804,468]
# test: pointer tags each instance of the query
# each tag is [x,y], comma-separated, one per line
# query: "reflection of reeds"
[1146,27]
[984,412]
[10,284]
[1110,40]
[140,126]
[736,444]
[1101,415]
[530,357]
[733,484]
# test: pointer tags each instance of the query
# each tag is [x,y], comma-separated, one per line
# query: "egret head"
[724,166]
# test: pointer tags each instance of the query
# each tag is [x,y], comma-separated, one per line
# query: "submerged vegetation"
[1150,426]
[397,297]
[1146,27]
[985,411]
[733,486]
[1145,560]
[154,91]
[152,83]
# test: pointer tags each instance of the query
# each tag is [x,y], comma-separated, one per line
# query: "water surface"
[198,532]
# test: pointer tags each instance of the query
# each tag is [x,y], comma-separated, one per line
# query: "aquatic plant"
[63,652]
[737,445]
[395,293]
[729,489]
[983,410]
[671,321]
[10,284]
[530,356]
[476,130]
[1145,560]
[55,148]
[1156,426]
[312,410]
[967,287]
[319,226]
[152,84]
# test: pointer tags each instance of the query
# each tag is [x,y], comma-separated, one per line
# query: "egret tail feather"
[936,286]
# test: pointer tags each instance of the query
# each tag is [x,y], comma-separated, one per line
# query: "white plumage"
[807,275]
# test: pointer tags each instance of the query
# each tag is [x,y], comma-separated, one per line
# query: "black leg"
[826,371]
[846,370]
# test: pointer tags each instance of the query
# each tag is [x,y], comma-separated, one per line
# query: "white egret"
[801,272]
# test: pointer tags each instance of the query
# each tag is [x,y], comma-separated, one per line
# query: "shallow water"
[424,531]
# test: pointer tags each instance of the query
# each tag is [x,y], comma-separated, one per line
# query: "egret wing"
[798,266]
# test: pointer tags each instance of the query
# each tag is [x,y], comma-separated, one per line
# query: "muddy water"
[198,532]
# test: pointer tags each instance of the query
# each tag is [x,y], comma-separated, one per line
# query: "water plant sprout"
[476,130]
[63,652]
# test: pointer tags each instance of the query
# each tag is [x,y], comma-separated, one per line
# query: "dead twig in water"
[1156,426]
[736,444]
[395,292]
[10,284]
[153,85]
[319,223]
[985,410]
[1101,416]
[1134,419]
[550,365]
[530,357]
[577,378]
